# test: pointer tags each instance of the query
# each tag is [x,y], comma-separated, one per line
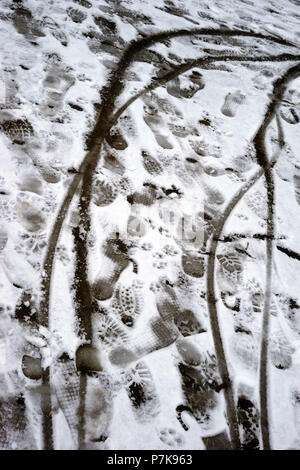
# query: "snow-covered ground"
[149,204]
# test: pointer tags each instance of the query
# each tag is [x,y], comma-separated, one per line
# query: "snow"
[177,154]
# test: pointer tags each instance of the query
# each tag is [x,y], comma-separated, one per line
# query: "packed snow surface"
[149,204]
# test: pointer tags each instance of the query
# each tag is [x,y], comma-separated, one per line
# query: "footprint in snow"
[18,130]
[110,332]
[178,90]
[189,353]
[245,349]
[188,324]
[248,419]
[232,102]
[116,140]
[178,129]
[281,351]
[50,25]
[157,125]
[171,437]
[142,393]
[66,383]
[55,85]
[198,385]
[113,163]
[30,181]
[127,303]
[104,193]
[193,264]
[77,16]
[31,211]
[98,411]
[117,258]
[150,163]
[27,25]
